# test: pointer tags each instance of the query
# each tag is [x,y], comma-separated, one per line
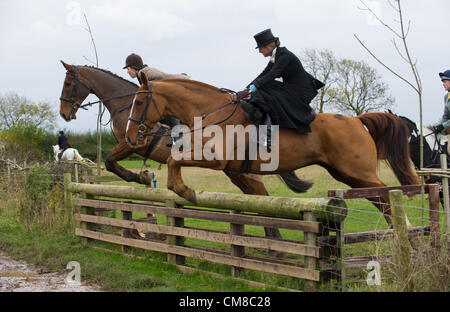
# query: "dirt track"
[18,276]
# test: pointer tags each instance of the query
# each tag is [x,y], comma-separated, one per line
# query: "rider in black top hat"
[62,143]
[288,101]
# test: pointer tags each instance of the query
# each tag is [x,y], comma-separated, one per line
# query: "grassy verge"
[114,272]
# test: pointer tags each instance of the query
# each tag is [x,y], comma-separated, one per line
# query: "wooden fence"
[307,217]
[399,231]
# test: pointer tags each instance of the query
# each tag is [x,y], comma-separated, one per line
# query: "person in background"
[444,125]
[63,144]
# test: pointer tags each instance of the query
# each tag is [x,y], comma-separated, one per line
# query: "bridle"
[143,126]
[76,105]
[72,101]
[141,122]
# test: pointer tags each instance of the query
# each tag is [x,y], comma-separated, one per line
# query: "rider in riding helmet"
[135,66]
[62,143]
[444,125]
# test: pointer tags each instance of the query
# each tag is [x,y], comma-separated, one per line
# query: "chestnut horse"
[117,94]
[348,147]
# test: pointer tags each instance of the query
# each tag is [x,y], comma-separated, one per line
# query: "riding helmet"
[445,75]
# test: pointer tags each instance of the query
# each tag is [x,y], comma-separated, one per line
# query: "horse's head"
[144,114]
[74,92]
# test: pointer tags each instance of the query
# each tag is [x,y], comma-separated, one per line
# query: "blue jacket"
[445,121]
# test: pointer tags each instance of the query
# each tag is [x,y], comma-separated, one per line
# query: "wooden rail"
[297,214]
[327,209]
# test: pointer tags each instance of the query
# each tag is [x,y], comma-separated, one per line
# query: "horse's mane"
[111,73]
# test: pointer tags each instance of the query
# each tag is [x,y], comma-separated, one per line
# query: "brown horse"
[348,147]
[117,94]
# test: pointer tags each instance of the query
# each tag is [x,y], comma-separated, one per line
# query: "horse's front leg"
[119,152]
[175,181]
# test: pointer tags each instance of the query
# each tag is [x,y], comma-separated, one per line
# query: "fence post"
[172,239]
[84,210]
[237,251]
[401,243]
[340,242]
[446,202]
[310,262]
[67,194]
[435,237]
[9,173]
[76,173]
[126,215]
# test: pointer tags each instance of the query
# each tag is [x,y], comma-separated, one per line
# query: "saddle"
[62,152]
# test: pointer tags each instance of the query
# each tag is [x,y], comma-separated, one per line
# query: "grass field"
[55,247]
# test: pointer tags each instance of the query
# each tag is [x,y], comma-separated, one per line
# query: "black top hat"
[264,38]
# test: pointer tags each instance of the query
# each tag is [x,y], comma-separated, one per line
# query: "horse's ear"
[67,66]
[144,79]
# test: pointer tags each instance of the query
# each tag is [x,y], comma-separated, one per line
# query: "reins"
[143,126]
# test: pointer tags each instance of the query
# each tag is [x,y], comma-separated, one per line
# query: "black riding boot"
[172,122]
[252,113]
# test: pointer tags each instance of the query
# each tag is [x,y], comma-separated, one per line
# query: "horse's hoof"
[145,177]
[190,195]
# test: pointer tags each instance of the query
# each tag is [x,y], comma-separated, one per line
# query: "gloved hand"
[438,129]
[244,94]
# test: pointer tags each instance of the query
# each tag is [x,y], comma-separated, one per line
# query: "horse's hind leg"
[119,152]
[370,180]
[365,180]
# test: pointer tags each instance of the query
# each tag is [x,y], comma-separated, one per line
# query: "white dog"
[69,154]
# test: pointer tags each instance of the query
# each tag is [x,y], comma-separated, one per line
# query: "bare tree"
[400,32]
[358,89]
[100,104]
[321,64]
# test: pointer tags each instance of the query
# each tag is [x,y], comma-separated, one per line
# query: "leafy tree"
[24,141]
[15,109]
[351,87]
[322,65]
[359,89]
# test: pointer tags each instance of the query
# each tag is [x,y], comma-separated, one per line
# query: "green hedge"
[27,142]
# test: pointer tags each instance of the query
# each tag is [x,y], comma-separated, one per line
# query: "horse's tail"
[390,134]
[77,155]
[294,183]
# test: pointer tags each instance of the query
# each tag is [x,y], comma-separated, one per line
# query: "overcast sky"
[213,42]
